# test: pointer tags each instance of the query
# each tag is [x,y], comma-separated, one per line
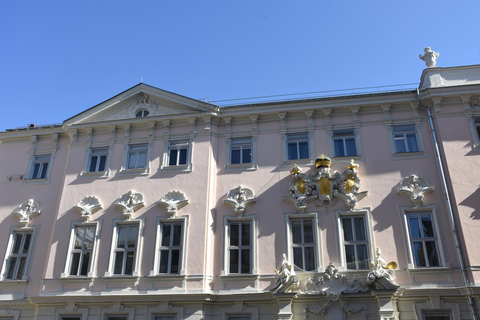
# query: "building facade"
[152,205]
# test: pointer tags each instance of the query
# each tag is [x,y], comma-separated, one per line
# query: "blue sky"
[59,58]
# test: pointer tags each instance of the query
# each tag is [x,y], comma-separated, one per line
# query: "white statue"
[381,269]
[430,57]
[285,270]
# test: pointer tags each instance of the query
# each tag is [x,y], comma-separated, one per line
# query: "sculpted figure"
[285,270]
[430,57]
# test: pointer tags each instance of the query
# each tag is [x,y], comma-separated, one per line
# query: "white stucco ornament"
[324,186]
[173,201]
[26,211]
[88,206]
[381,271]
[286,281]
[430,57]
[129,203]
[239,198]
[416,188]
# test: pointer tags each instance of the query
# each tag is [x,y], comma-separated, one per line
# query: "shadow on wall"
[473,201]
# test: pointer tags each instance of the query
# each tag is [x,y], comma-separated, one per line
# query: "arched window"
[142,113]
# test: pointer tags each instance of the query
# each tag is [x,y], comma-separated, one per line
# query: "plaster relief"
[173,201]
[240,198]
[129,203]
[26,211]
[416,188]
[88,206]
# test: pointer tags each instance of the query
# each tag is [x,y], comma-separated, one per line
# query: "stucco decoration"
[430,57]
[173,201]
[26,211]
[286,281]
[129,203]
[360,310]
[416,188]
[382,272]
[325,186]
[240,198]
[88,206]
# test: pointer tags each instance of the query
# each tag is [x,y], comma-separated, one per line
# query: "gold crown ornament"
[323,161]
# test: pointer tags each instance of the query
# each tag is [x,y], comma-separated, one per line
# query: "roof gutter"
[449,206]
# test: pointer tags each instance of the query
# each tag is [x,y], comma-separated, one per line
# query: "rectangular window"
[344,143]
[297,146]
[81,255]
[355,242]
[241,150]
[137,156]
[117,317]
[423,239]
[303,243]
[40,167]
[239,318]
[70,318]
[476,123]
[405,138]
[178,153]
[240,246]
[17,259]
[171,247]
[436,315]
[97,159]
[125,249]
[165,318]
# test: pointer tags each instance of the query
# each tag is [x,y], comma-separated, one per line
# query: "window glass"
[82,250]
[142,113]
[125,251]
[240,150]
[240,249]
[423,239]
[355,242]
[17,259]
[178,153]
[405,138]
[436,315]
[97,160]
[303,244]
[40,167]
[171,247]
[344,143]
[137,156]
[297,146]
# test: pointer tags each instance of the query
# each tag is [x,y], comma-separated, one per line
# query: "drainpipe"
[449,205]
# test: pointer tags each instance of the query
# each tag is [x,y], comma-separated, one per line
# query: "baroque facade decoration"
[26,211]
[416,188]
[173,201]
[239,198]
[129,203]
[88,206]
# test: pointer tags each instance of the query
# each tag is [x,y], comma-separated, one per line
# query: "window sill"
[163,276]
[289,163]
[8,282]
[64,278]
[409,155]
[182,167]
[95,174]
[139,171]
[239,276]
[347,157]
[241,166]
[118,278]
[429,269]
[36,181]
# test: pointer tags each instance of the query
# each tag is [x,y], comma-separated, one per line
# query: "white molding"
[96,174]
[421,153]
[190,139]
[253,165]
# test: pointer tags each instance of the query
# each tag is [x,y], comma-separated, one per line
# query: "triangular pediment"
[142,97]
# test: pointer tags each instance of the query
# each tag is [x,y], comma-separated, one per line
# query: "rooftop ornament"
[430,57]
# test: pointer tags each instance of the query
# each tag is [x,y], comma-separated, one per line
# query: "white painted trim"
[421,153]
[166,154]
[126,147]
[96,174]
[241,166]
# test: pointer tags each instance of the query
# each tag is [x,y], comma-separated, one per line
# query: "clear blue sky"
[58,58]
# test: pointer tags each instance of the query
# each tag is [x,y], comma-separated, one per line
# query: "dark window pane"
[298,257]
[339,151]
[118,266]
[412,142]
[132,236]
[166,235]
[399,143]
[18,242]
[309,259]
[347,229]
[245,261]
[175,261]
[101,166]
[26,244]
[234,234]
[173,158]
[234,261]
[164,261]
[427,226]
[308,231]
[419,254]
[93,164]
[297,231]
[43,174]
[350,144]
[359,229]
[247,155]
[292,151]
[11,267]
[246,234]
[177,232]
[183,156]
[85,262]
[75,263]
[350,257]
[130,262]
[78,237]
[132,160]
[235,157]
[414,229]
[362,256]
[303,148]
[122,231]
[36,168]
[432,253]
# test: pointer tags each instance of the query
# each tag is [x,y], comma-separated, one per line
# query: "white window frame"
[142,113]
[11,239]
[309,134]
[188,144]
[289,217]
[31,165]
[418,133]
[88,158]
[367,216]
[70,249]
[252,219]
[113,248]
[126,157]
[237,141]
[433,210]
[158,246]
[475,129]
[154,316]
[354,135]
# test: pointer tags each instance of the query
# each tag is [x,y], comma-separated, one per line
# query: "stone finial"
[129,203]
[173,201]
[88,206]
[26,211]
[430,57]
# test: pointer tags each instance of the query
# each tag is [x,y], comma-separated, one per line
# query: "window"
[70,318]
[164,318]
[142,113]
[125,249]
[116,318]
[240,246]
[423,239]
[97,159]
[239,318]
[82,250]
[39,167]
[137,156]
[241,150]
[178,153]
[344,143]
[16,264]
[303,243]
[405,138]
[355,242]
[476,122]
[436,315]
[297,146]
[171,247]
